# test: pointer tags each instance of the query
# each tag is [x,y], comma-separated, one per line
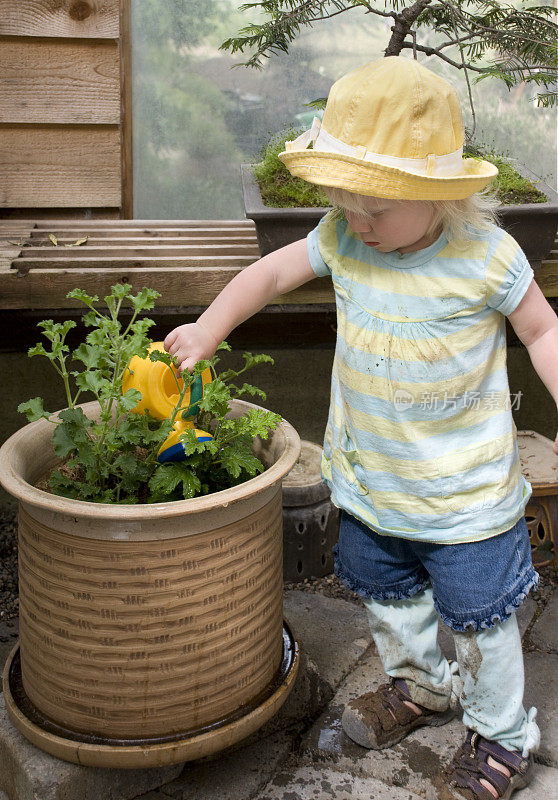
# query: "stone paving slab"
[27,773]
[309,783]
[315,783]
[415,761]
[233,775]
[543,786]
[544,633]
[411,764]
[335,633]
[541,691]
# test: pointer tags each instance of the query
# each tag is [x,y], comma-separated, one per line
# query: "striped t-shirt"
[420,441]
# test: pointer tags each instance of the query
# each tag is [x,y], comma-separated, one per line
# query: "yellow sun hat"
[392,129]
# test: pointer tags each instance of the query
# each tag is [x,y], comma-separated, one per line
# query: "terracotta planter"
[533,225]
[149,633]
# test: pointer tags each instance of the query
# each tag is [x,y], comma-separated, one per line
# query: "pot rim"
[25,492]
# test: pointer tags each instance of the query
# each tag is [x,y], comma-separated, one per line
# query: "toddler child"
[420,448]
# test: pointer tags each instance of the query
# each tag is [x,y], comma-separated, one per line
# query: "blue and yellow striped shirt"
[420,441]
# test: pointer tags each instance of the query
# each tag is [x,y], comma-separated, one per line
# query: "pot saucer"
[98,751]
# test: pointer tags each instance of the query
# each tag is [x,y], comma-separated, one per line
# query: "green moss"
[511,187]
[281,190]
[278,187]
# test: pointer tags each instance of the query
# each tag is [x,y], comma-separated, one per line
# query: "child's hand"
[190,343]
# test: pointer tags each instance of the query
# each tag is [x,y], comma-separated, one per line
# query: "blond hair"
[458,219]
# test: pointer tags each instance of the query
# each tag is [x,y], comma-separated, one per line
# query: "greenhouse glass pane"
[196,119]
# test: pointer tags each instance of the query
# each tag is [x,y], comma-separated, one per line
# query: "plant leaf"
[33,409]
[79,294]
[238,456]
[53,239]
[167,477]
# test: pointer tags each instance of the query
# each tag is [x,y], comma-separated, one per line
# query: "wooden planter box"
[533,225]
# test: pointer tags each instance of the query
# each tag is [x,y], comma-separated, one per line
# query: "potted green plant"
[151,627]
[514,43]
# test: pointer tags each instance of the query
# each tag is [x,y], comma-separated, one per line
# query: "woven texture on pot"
[133,639]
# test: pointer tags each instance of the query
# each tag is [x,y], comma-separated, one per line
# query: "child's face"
[393,225]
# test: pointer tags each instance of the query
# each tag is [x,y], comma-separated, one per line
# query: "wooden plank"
[107,228]
[34,214]
[126,125]
[162,264]
[59,81]
[45,249]
[100,240]
[152,224]
[43,289]
[547,278]
[67,18]
[87,251]
[170,255]
[16,229]
[162,235]
[59,165]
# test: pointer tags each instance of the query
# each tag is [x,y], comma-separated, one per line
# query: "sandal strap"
[511,759]
[470,764]
[390,697]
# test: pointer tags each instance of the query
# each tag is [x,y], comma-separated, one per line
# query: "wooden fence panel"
[65,128]
[68,18]
[43,166]
[59,81]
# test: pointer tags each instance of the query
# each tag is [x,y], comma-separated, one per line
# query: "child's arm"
[536,325]
[248,292]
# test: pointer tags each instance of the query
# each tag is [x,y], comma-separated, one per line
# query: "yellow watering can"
[160,395]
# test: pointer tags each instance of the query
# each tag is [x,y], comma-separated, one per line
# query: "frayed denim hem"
[366,593]
[531,582]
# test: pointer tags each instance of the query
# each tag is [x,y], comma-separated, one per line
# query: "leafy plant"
[114,459]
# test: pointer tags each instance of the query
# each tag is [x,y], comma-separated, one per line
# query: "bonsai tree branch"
[402,27]
[433,51]
[517,43]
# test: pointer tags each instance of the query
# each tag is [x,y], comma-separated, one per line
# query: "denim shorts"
[475,585]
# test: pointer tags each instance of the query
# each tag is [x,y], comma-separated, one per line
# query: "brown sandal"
[461,780]
[381,719]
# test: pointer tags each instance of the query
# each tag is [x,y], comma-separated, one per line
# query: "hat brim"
[378,180]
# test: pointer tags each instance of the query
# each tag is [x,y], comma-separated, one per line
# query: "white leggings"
[491,676]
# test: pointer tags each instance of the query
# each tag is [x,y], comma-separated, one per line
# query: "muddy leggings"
[490,681]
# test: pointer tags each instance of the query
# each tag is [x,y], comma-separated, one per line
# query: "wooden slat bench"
[188,262]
